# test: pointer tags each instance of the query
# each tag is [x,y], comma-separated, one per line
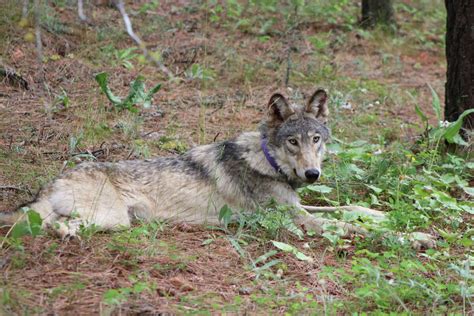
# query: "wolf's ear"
[278,108]
[317,105]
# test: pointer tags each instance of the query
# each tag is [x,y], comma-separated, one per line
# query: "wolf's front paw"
[69,229]
[346,229]
[421,241]
[321,225]
[310,223]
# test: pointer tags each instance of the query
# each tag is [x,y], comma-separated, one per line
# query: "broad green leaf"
[373,199]
[225,215]
[136,95]
[268,265]
[114,297]
[447,178]
[301,256]
[437,133]
[289,248]
[352,167]
[319,188]
[445,199]
[237,246]
[457,139]
[101,79]
[30,226]
[149,96]
[333,238]
[140,287]
[422,115]
[265,256]
[137,90]
[292,228]
[207,242]
[453,129]
[466,242]
[374,188]
[283,246]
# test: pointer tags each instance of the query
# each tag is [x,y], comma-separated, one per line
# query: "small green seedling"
[136,95]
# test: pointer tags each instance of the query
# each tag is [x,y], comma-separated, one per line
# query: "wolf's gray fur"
[193,187]
[243,173]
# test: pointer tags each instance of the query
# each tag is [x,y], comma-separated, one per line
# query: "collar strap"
[269,157]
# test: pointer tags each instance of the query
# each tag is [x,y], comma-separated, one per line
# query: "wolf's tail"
[42,206]
[10,218]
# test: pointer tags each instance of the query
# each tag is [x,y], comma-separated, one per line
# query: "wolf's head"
[296,135]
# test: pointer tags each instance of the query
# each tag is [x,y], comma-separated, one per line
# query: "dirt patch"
[177,268]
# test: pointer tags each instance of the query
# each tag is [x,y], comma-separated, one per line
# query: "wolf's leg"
[309,222]
[87,202]
[63,226]
[45,209]
[377,215]
[318,224]
[419,240]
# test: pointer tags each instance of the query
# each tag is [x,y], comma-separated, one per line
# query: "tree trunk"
[377,12]
[460,58]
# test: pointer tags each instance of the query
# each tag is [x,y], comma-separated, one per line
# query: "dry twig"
[24,12]
[128,26]
[80,11]
[39,43]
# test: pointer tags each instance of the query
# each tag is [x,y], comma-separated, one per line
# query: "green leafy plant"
[136,95]
[172,144]
[448,131]
[273,218]
[120,295]
[291,249]
[31,225]
[125,56]
[263,265]
[225,215]
[62,100]
[198,72]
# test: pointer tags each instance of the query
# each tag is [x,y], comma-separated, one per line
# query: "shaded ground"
[374,79]
[176,272]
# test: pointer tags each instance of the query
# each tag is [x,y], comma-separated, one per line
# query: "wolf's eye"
[293,141]
[316,139]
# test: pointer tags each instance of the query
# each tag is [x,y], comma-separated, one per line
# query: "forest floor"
[229,57]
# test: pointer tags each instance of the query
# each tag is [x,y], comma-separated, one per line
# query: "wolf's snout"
[312,175]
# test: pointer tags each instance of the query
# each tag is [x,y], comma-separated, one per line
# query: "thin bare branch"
[80,11]
[39,43]
[24,12]
[128,26]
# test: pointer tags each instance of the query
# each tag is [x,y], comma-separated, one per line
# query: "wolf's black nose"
[312,174]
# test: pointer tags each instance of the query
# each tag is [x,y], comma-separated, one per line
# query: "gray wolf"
[243,173]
